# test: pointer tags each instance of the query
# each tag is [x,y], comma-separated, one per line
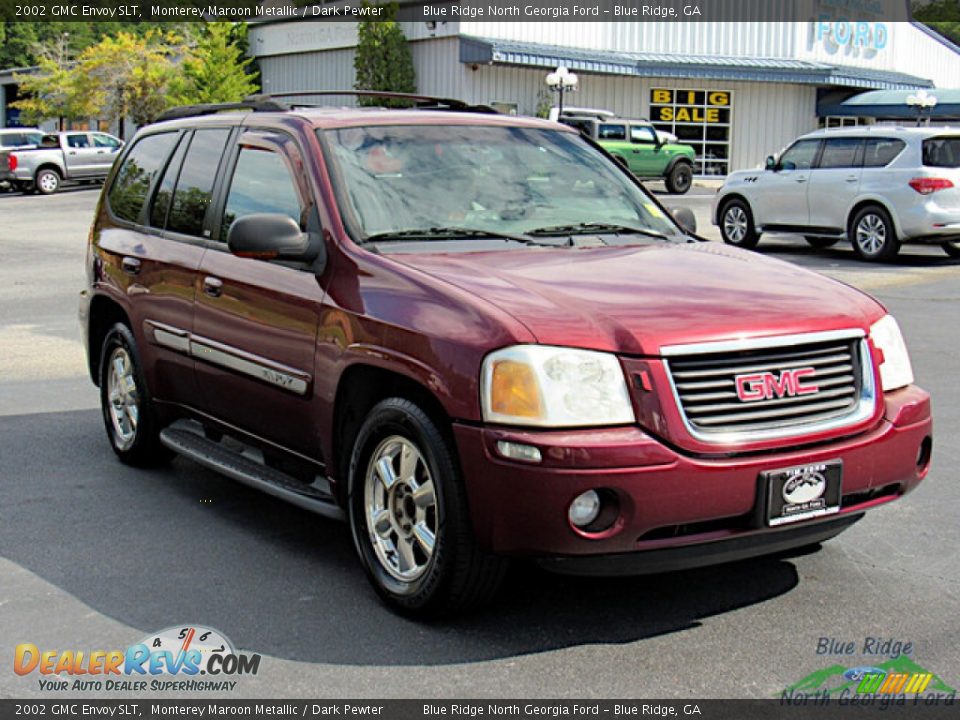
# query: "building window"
[834,121]
[700,118]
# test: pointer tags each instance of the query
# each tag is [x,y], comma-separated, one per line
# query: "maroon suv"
[476,336]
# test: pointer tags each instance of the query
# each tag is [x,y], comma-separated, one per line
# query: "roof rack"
[255,103]
[420,102]
[271,103]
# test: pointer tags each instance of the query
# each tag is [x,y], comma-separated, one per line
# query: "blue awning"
[892,104]
[489,51]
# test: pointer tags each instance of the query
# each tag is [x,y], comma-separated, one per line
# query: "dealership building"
[735,91]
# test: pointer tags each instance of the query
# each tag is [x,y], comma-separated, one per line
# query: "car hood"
[635,300]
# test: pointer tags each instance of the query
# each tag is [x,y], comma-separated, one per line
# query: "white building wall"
[766,116]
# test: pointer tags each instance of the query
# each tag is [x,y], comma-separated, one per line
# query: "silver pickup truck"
[62,157]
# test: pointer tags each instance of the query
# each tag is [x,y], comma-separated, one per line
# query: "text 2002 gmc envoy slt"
[477,336]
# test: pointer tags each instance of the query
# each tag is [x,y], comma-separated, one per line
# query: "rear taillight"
[927,185]
[11,162]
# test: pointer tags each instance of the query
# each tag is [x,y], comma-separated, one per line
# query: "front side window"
[105,141]
[800,155]
[643,134]
[194,192]
[261,183]
[840,153]
[515,180]
[942,152]
[137,173]
[880,152]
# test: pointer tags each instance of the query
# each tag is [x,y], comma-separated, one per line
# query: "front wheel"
[409,518]
[952,248]
[873,236]
[736,225]
[47,182]
[128,410]
[679,179]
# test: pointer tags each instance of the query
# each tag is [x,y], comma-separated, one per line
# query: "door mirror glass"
[685,218]
[771,162]
[269,236]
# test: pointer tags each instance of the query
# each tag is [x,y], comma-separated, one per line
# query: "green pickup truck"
[640,147]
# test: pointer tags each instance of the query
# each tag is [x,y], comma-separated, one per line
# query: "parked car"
[877,187]
[14,139]
[474,337]
[648,153]
[63,157]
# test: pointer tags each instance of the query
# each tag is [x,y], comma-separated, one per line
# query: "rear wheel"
[409,518]
[872,234]
[679,179]
[952,248]
[47,181]
[821,242]
[736,225]
[129,415]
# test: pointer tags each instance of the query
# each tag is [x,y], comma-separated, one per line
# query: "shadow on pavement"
[182,545]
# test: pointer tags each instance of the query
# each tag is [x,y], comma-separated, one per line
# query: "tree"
[214,69]
[943,16]
[383,60]
[52,91]
[129,75]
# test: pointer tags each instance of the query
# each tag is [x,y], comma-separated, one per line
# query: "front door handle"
[131,266]
[801,179]
[852,178]
[212,286]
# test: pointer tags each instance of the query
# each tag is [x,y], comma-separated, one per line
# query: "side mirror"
[685,219]
[771,162]
[268,236]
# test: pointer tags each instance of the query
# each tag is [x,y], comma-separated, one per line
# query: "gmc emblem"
[767,386]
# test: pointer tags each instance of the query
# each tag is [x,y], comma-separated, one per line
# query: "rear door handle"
[212,286]
[131,266]
[852,178]
[801,179]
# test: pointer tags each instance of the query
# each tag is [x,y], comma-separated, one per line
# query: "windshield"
[497,180]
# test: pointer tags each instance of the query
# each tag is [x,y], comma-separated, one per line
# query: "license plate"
[803,492]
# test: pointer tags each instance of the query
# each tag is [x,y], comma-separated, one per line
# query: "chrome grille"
[705,384]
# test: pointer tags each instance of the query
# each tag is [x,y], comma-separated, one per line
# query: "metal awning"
[490,51]
[892,104]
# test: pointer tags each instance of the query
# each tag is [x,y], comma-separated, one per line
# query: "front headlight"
[554,387]
[895,369]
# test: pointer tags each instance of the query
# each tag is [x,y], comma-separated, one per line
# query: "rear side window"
[78,141]
[612,132]
[164,194]
[841,153]
[942,152]
[137,174]
[195,184]
[11,140]
[880,152]
[262,183]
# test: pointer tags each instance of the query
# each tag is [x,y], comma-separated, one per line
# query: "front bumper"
[670,500]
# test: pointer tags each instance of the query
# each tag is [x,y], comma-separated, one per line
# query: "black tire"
[872,234]
[457,576]
[821,243]
[679,179]
[142,448]
[736,224]
[26,187]
[952,248]
[47,181]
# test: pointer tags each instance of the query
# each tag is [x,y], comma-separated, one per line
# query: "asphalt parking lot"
[95,555]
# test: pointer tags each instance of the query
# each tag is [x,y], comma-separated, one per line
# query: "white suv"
[878,187]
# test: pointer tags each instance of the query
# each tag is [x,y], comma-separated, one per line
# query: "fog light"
[519,451]
[584,509]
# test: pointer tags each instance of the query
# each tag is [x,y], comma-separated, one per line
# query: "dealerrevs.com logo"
[188,658]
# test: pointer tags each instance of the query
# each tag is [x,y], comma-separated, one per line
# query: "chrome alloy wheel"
[871,234]
[124,398]
[401,508]
[48,182]
[735,224]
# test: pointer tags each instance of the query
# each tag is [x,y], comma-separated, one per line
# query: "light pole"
[559,81]
[922,101]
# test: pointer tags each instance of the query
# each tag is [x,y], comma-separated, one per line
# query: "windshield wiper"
[595,228]
[448,233]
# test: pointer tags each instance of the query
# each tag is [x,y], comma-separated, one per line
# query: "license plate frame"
[802,492]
